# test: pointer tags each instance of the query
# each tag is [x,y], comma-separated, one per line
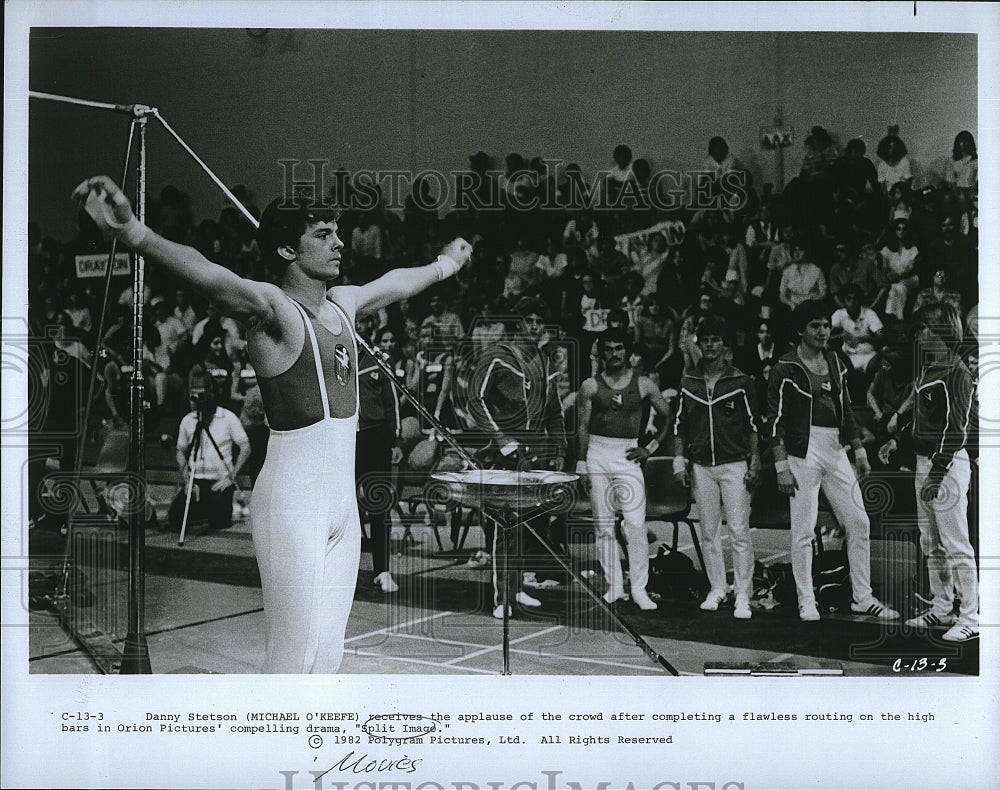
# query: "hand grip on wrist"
[130,232]
[446,266]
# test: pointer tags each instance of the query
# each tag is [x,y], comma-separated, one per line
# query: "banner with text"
[97,265]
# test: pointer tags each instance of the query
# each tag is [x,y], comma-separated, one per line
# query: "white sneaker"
[875,609]
[642,600]
[498,612]
[526,600]
[931,619]
[480,559]
[711,603]
[614,595]
[961,633]
[386,582]
[808,613]
[742,610]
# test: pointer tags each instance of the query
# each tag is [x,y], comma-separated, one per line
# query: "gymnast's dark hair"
[283,223]
[712,324]
[809,310]
[615,335]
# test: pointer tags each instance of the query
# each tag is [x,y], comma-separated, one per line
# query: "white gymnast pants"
[827,466]
[944,540]
[307,536]
[722,488]
[617,484]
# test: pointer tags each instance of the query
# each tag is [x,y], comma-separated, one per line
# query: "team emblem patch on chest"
[617,400]
[342,365]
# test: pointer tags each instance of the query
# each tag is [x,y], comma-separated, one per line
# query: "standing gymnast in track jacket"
[716,428]
[943,406]
[809,410]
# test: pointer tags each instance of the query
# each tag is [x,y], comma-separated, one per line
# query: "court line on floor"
[371,654]
[560,656]
[388,629]
[494,648]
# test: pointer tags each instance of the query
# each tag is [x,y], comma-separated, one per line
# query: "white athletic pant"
[722,488]
[827,466]
[617,484]
[307,536]
[944,540]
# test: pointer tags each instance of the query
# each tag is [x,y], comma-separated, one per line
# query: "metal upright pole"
[135,660]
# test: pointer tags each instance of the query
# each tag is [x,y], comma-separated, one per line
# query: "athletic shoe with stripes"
[712,602]
[961,633]
[931,619]
[875,609]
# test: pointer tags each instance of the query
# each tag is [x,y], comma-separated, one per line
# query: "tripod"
[200,430]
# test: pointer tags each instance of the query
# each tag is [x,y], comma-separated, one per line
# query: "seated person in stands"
[213,365]
[852,269]
[939,291]
[889,393]
[801,280]
[857,325]
[899,268]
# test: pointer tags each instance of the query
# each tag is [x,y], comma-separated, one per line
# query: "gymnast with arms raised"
[301,343]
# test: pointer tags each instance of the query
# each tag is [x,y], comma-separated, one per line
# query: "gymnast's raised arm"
[402,283]
[245,300]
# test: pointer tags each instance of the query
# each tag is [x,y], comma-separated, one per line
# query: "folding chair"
[667,500]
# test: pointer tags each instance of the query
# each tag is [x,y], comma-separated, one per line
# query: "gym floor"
[204,615]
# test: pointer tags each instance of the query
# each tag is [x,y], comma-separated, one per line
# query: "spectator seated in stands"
[213,368]
[939,292]
[850,269]
[801,280]
[447,323]
[962,173]
[857,325]
[893,165]
[899,268]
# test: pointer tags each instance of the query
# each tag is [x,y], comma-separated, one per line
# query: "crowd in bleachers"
[861,235]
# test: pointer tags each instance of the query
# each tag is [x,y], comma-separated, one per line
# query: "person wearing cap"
[301,343]
[514,397]
[943,418]
[812,425]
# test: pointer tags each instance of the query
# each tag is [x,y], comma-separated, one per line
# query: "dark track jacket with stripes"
[514,398]
[789,405]
[715,429]
[379,403]
[944,401]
